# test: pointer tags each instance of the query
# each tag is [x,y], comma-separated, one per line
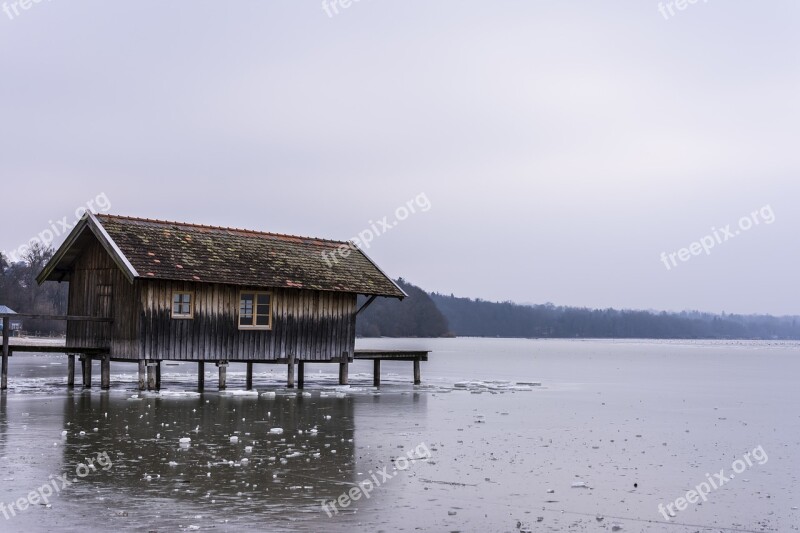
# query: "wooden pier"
[392,355]
[150,370]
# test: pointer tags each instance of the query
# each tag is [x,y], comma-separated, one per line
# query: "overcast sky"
[562,146]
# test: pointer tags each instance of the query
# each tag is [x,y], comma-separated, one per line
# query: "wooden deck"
[392,355]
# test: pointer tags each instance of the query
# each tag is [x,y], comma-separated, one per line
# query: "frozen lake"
[503,435]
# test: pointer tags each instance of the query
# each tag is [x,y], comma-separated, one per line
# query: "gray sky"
[563,146]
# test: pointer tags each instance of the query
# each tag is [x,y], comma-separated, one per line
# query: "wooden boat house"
[153,290]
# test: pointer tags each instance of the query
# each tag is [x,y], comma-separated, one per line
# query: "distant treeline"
[437,315]
[20,292]
[479,318]
[415,316]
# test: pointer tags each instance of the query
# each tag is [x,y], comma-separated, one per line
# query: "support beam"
[366,304]
[290,373]
[71,370]
[201,375]
[343,372]
[105,373]
[417,376]
[249,383]
[223,374]
[151,376]
[87,372]
[6,333]
[301,374]
[376,373]
[142,374]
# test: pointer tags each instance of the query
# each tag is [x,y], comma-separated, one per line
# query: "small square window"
[182,305]
[255,310]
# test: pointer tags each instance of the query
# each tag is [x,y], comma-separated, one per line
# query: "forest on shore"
[437,315]
[424,314]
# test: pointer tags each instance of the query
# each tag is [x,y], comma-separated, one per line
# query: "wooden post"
[105,372]
[223,374]
[71,370]
[417,377]
[343,369]
[376,372]
[158,375]
[301,374]
[249,384]
[201,375]
[142,374]
[290,373]
[87,372]
[6,331]
[151,376]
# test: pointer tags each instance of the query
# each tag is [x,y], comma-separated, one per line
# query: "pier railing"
[7,333]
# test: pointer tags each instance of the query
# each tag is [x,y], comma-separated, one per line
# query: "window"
[254,310]
[182,305]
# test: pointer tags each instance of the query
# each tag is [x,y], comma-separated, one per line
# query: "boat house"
[152,290]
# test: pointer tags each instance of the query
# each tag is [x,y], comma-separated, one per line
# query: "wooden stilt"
[71,370]
[87,373]
[151,376]
[223,374]
[301,374]
[158,375]
[201,375]
[105,372]
[6,333]
[290,373]
[249,383]
[417,377]
[376,372]
[343,373]
[142,374]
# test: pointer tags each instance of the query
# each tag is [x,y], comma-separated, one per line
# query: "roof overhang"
[60,265]
[382,272]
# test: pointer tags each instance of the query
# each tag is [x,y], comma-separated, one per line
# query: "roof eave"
[374,264]
[94,225]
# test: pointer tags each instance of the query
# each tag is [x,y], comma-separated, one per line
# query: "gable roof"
[157,249]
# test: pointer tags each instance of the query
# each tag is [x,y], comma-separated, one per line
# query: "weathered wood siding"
[310,325]
[97,287]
